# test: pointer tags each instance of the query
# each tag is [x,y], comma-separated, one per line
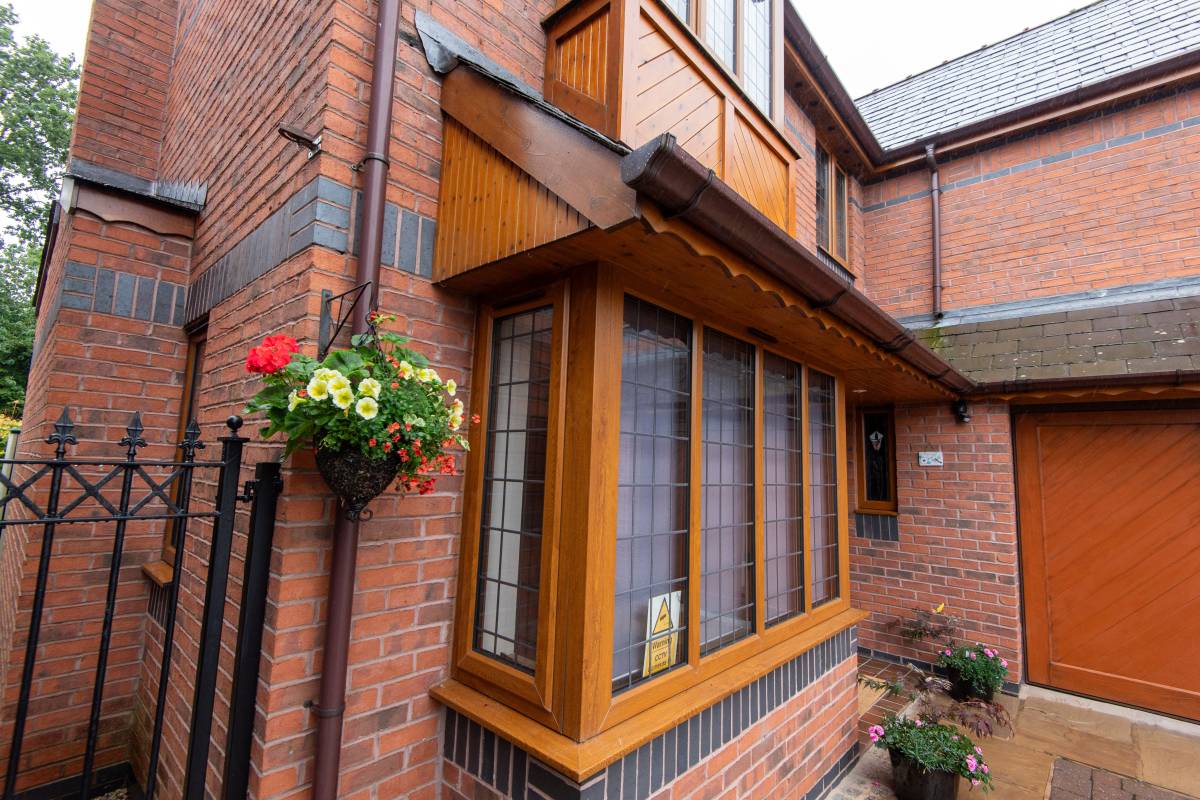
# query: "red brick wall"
[781,756]
[122,90]
[1120,215]
[102,367]
[958,538]
[239,70]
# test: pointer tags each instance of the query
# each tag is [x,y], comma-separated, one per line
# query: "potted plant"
[974,671]
[374,412]
[928,758]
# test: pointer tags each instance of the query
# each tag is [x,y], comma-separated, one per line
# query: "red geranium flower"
[272,355]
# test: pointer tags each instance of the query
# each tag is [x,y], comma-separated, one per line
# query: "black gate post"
[62,436]
[214,612]
[250,630]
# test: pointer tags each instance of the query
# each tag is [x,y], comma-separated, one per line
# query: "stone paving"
[1074,781]
[1061,748]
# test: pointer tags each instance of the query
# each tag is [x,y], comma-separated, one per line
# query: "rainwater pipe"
[935,197]
[331,705]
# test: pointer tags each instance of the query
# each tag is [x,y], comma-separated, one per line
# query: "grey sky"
[871,43]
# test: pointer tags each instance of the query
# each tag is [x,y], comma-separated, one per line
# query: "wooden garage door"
[1110,551]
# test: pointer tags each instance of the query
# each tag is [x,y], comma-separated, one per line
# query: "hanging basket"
[355,478]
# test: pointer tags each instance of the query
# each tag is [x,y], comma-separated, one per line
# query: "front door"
[1110,554]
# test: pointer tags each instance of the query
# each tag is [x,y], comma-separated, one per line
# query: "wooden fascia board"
[580,170]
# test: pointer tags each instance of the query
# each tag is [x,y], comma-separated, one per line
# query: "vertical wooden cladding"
[631,69]
[583,58]
[489,208]
[582,68]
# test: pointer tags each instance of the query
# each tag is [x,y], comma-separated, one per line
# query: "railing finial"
[133,436]
[63,434]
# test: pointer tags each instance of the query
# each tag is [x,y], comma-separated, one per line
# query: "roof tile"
[1084,47]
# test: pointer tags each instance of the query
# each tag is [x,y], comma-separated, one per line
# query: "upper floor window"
[832,207]
[740,34]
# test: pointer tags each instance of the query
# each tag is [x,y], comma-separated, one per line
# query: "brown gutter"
[1176,378]
[332,703]
[664,173]
[935,197]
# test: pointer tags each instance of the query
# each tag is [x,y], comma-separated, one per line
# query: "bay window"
[655,497]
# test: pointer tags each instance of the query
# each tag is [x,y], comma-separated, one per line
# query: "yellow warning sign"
[662,637]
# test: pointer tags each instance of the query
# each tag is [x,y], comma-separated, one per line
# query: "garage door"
[1110,552]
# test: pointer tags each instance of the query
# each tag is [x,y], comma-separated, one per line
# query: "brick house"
[778,364]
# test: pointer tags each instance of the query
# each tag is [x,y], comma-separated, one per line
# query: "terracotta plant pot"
[912,782]
[962,689]
[355,478]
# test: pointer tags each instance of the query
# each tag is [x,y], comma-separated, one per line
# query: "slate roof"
[1135,338]
[1084,47]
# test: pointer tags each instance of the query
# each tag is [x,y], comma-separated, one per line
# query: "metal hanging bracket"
[328,331]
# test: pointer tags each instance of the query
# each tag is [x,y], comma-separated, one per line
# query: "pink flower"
[919,723]
[978,749]
[955,737]
[972,764]
[984,768]
[1004,663]
[987,651]
[974,781]
[948,652]
[876,732]
[972,655]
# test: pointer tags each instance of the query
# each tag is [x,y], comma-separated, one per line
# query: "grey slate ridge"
[1085,47]
[1140,338]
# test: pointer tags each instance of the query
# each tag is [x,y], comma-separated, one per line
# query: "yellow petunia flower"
[317,388]
[294,400]
[369,387]
[406,370]
[367,408]
[343,398]
[451,387]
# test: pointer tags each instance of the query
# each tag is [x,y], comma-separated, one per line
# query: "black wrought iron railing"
[64,490]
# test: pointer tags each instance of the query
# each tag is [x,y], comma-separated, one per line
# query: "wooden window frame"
[531,693]
[197,346]
[862,504]
[694,24]
[831,208]
[571,691]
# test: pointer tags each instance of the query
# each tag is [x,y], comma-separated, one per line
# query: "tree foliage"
[37,101]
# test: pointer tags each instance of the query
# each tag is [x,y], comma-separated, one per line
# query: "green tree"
[37,101]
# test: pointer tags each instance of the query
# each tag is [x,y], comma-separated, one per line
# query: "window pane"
[783,487]
[652,494]
[822,167]
[727,529]
[877,456]
[720,29]
[823,511]
[840,212]
[682,8]
[756,55]
[510,540]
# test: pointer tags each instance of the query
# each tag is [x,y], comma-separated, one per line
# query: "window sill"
[877,512]
[581,760]
[159,573]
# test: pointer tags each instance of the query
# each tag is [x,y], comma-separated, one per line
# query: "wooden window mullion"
[760,594]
